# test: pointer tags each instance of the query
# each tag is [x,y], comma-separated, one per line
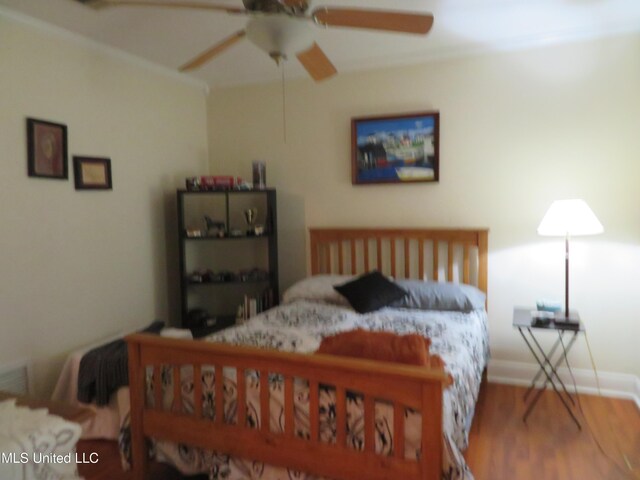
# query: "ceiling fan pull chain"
[284,108]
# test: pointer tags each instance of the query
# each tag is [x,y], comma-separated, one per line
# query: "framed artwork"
[92,173]
[47,149]
[395,149]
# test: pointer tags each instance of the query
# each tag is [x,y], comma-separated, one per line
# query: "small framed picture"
[47,149]
[92,173]
[395,149]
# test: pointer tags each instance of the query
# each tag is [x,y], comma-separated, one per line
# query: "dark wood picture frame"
[395,148]
[92,173]
[47,149]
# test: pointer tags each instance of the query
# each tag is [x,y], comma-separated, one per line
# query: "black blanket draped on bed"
[105,369]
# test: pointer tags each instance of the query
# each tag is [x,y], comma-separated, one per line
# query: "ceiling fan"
[282,27]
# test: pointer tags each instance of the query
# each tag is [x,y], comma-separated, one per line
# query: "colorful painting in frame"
[47,149]
[395,149]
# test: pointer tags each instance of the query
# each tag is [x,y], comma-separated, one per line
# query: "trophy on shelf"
[251,215]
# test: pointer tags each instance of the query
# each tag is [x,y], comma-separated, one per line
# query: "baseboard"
[618,385]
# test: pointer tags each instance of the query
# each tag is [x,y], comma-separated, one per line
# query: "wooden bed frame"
[344,251]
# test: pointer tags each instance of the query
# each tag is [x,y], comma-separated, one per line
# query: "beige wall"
[518,130]
[77,266]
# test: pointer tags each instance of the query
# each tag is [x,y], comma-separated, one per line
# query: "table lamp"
[566,218]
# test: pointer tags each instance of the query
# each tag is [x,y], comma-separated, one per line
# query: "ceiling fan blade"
[374,19]
[317,63]
[98,4]
[217,49]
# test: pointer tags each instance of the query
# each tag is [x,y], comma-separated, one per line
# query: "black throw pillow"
[370,292]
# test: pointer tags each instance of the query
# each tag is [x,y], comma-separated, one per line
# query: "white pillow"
[318,288]
[176,333]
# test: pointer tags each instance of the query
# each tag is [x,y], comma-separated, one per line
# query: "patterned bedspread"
[461,339]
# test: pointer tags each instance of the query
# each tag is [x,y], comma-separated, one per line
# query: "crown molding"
[115,53]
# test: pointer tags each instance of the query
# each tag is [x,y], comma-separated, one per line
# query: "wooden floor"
[548,447]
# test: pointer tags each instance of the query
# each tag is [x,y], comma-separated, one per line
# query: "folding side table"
[525,321]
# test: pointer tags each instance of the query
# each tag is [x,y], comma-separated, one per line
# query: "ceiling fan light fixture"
[277,57]
[280,36]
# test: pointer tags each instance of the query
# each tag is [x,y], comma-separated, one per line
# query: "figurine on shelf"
[253,275]
[193,232]
[215,228]
[202,276]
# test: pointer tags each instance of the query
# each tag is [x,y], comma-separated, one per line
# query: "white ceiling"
[170,37]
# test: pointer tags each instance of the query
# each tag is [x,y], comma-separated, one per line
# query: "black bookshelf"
[220,251]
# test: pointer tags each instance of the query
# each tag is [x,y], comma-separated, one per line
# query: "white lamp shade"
[569,217]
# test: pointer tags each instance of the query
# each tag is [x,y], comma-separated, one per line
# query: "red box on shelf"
[213,182]
[218,181]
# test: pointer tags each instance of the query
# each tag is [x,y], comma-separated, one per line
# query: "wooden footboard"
[405,387]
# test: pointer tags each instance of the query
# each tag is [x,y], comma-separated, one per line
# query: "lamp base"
[571,320]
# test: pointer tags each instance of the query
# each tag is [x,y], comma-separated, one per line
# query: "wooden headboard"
[455,255]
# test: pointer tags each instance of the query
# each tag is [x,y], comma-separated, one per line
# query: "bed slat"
[315,255]
[353,256]
[288,406]
[341,416]
[421,259]
[392,244]
[177,389]
[314,421]
[432,446]
[365,251]
[483,247]
[157,386]
[407,266]
[328,258]
[219,399]
[340,259]
[369,424]
[197,391]
[241,397]
[137,384]
[265,415]
[450,252]
[398,431]
[435,260]
[379,253]
[465,264]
